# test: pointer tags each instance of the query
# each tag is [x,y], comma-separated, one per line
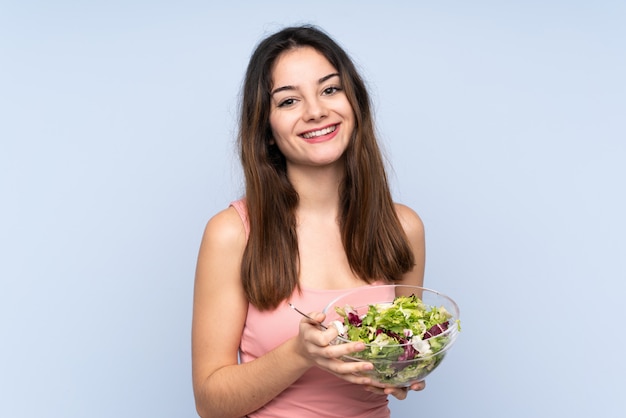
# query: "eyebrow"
[289,87]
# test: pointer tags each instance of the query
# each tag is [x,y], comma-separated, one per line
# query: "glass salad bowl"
[407,330]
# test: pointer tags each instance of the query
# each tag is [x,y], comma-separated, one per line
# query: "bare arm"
[222,387]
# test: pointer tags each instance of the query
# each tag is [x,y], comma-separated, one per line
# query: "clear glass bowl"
[391,365]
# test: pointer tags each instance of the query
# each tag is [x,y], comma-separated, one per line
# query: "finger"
[344,349]
[399,393]
[314,318]
[352,377]
[312,333]
[318,316]
[340,367]
[418,386]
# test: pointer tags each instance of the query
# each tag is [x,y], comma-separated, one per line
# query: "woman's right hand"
[314,344]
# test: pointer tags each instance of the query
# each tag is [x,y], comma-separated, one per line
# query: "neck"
[318,188]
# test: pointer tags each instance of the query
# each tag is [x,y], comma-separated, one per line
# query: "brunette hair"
[373,238]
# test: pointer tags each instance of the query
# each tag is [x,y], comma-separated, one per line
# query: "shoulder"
[219,259]
[410,220]
[225,230]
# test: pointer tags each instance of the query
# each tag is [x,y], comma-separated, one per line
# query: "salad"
[404,338]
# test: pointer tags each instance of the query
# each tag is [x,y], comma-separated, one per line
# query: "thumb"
[318,316]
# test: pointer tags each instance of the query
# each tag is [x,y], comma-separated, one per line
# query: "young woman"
[317,219]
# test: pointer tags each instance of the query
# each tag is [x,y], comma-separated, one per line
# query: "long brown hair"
[373,238]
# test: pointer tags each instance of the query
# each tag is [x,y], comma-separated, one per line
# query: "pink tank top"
[316,393]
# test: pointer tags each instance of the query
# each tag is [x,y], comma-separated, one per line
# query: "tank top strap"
[242,209]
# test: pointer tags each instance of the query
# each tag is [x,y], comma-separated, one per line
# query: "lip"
[322,138]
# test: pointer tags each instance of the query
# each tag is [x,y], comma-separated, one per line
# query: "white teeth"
[321,132]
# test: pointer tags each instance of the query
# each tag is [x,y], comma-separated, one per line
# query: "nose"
[315,109]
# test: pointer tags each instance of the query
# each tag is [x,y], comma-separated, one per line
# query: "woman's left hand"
[399,393]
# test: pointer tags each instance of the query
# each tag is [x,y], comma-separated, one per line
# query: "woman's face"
[311,118]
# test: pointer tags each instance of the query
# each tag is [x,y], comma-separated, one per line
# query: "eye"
[328,91]
[286,102]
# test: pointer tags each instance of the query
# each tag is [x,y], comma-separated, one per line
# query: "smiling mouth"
[321,132]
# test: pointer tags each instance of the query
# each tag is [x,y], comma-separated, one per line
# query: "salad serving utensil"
[307,316]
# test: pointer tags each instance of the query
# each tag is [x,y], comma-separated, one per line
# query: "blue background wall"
[503,122]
